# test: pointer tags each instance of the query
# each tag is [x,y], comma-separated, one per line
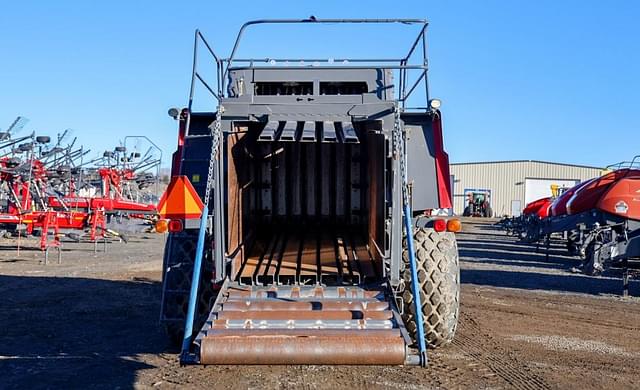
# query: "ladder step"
[304,305]
[301,325]
[314,323]
[292,316]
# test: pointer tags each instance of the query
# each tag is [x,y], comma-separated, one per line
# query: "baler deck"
[285,256]
[302,325]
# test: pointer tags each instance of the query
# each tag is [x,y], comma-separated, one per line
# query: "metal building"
[510,185]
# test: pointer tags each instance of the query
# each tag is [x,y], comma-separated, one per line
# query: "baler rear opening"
[301,212]
[304,235]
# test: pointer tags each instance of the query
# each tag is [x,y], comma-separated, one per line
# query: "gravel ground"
[526,322]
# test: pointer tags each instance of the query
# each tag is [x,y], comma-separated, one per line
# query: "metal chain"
[399,151]
[215,141]
[399,137]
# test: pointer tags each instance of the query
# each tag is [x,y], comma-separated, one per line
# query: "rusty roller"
[297,346]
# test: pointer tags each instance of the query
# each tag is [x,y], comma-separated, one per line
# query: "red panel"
[559,206]
[623,196]
[587,197]
[442,164]
[544,211]
[106,204]
[539,207]
[177,155]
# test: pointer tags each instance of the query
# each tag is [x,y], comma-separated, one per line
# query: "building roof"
[526,161]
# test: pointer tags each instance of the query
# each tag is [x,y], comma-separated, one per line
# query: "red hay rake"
[48,189]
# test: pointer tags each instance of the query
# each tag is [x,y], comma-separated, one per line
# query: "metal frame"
[159,159]
[404,65]
[609,230]
[385,111]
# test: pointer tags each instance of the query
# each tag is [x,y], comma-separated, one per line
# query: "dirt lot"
[526,322]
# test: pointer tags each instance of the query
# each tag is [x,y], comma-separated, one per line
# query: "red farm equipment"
[598,218]
[307,176]
[40,186]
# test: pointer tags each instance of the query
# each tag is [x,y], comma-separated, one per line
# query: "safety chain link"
[399,151]
[215,141]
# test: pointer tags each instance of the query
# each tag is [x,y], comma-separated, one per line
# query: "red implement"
[538,207]
[623,196]
[588,197]
[559,206]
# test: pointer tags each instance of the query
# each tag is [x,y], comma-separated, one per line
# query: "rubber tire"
[439,276]
[183,248]
[175,335]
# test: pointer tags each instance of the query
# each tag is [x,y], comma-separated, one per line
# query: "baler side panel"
[421,156]
[196,151]
[376,178]
[238,190]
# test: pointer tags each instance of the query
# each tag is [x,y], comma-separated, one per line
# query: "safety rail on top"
[633,164]
[404,65]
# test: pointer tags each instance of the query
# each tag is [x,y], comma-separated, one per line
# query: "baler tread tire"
[175,334]
[182,251]
[439,280]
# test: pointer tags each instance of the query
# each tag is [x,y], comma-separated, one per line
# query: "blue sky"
[548,80]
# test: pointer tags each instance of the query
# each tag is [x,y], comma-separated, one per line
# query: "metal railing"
[633,164]
[405,65]
[195,75]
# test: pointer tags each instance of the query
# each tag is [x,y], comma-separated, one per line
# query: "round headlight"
[435,104]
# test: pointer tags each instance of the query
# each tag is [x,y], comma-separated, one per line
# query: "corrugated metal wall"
[506,179]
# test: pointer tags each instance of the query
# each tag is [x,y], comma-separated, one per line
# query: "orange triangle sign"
[180,200]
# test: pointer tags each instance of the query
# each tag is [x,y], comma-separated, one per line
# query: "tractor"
[325,233]
[478,204]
